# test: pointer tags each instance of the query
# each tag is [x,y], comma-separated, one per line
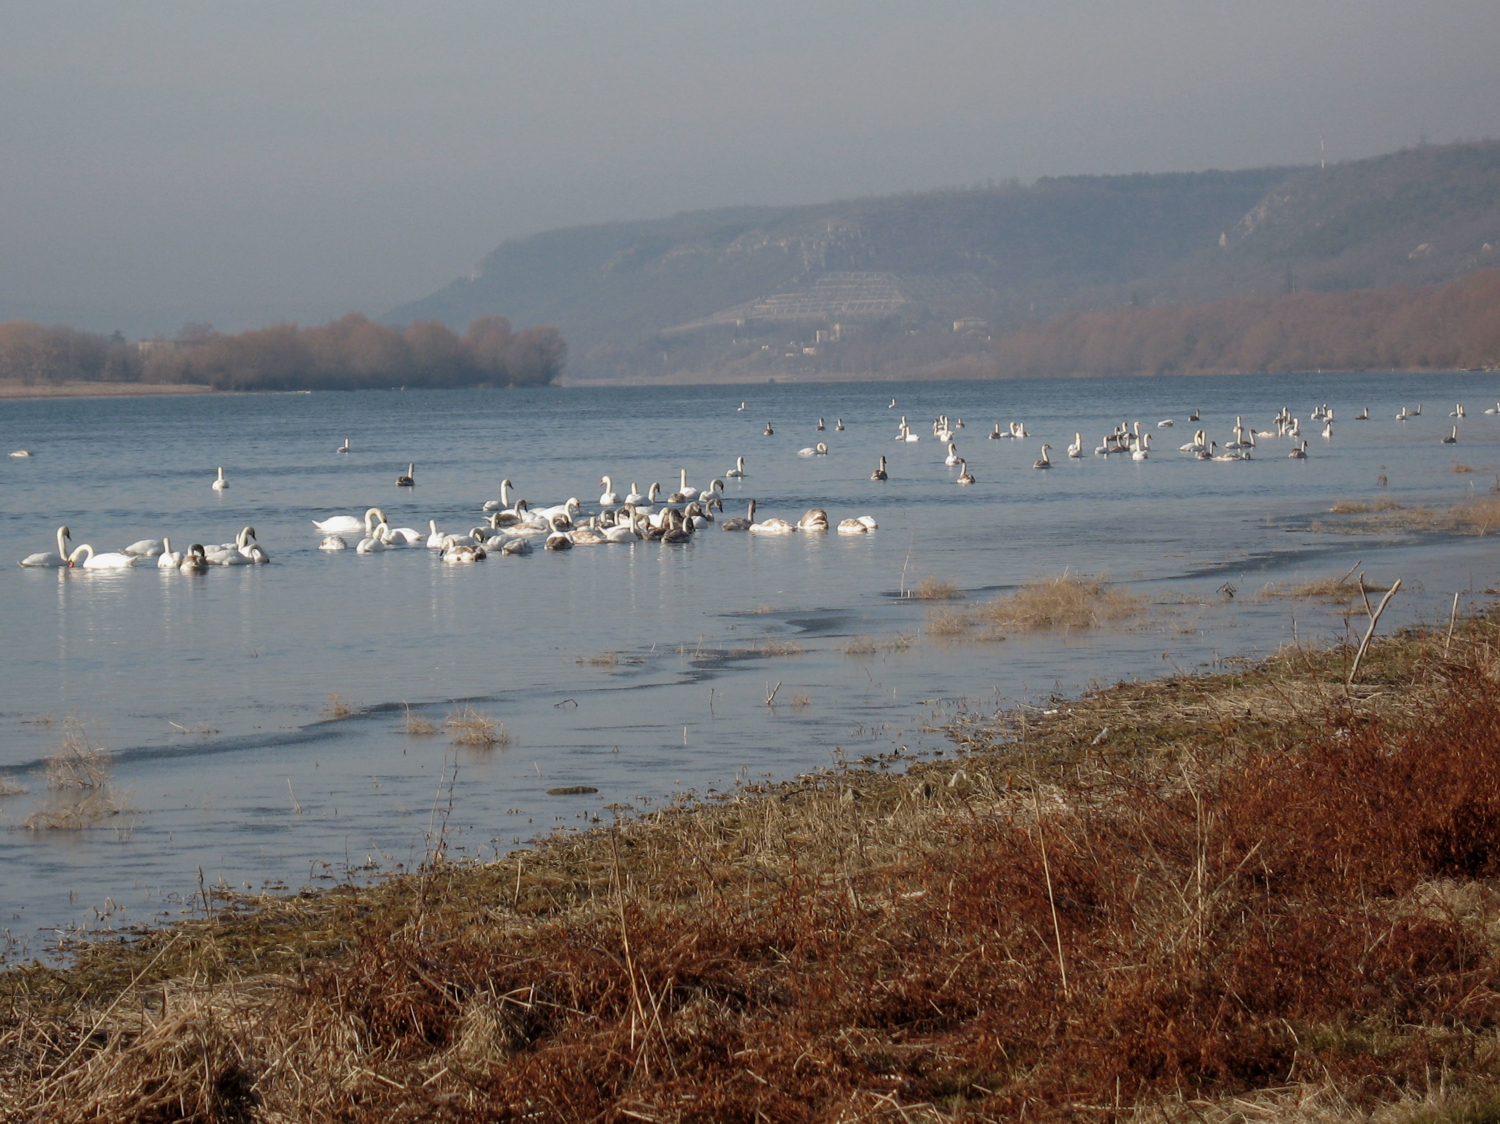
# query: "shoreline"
[939,937]
[17,391]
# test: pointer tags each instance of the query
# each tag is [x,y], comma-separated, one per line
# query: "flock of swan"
[513,527]
[244,551]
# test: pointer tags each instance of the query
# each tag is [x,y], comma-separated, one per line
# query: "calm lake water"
[640,670]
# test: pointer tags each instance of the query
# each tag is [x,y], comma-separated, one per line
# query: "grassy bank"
[1259,894]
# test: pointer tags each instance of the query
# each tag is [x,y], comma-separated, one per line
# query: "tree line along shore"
[1267,893]
[352,353]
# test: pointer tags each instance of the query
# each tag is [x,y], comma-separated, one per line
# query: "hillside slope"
[925,280]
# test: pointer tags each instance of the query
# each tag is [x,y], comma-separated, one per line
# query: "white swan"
[634,495]
[610,496]
[964,475]
[232,554]
[333,542]
[1045,461]
[92,561]
[738,470]
[771,527]
[952,458]
[22,453]
[374,542]
[1075,450]
[852,527]
[145,548]
[683,489]
[48,560]
[1142,449]
[503,501]
[220,484]
[348,524]
[435,539]
[169,559]
[344,448]
[563,509]
[404,536]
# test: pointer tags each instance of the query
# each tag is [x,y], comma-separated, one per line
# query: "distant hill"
[925,281]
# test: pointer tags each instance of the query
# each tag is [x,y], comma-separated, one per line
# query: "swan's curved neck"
[62,547]
[84,552]
[373,516]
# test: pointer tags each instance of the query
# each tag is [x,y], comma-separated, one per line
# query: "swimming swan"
[738,470]
[772,527]
[220,484]
[964,475]
[610,496]
[744,524]
[169,559]
[92,561]
[48,560]
[145,548]
[348,524]
[879,473]
[410,479]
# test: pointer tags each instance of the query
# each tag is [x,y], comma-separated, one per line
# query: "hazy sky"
[247,162]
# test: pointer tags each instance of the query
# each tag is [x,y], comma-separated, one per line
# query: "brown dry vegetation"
[79,794]
[338,706]
[1476,516]
[474,727]
[417,725]
[1061,602]
[1250,896]
[932,589]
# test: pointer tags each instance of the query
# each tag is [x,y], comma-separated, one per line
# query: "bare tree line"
[351,353]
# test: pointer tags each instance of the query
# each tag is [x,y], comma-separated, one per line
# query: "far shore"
[96,389]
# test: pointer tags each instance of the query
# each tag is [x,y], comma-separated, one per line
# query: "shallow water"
[639,670]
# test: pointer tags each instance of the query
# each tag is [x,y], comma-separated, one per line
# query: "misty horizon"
[243,167]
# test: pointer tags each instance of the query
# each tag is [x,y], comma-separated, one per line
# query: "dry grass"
[931,589]
[1340,589]
[338,706]
[898,643]
[860,646]
[79,794]
[39,720]
[1252,896]
[1472,517]
[947,622]
[473,727]
[1460,469]
[1356,507]
[800,700]
[779,648]
[9,787]
[1062,602]
[418,725]
[602,659]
